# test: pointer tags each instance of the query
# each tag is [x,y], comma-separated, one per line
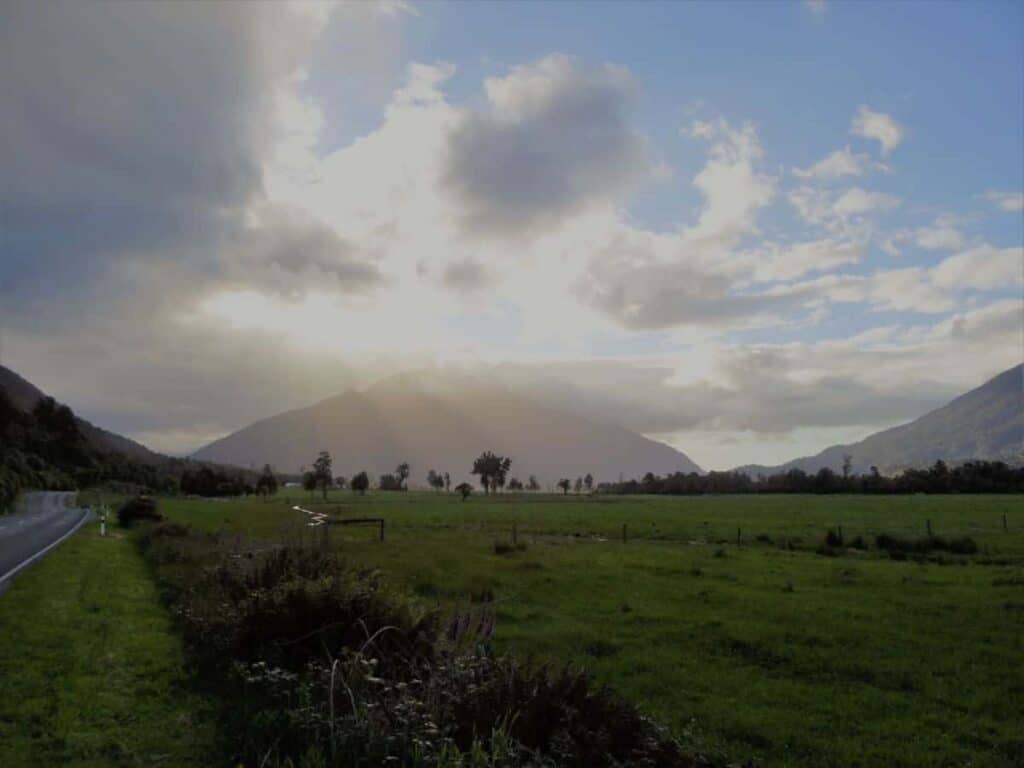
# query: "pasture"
[765,648]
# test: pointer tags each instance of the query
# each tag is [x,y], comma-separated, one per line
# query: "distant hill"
[442,422]
[25,395]
[985,423]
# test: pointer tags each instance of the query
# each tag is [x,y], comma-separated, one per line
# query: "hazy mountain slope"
[25,395]
[443,423]
[985,423]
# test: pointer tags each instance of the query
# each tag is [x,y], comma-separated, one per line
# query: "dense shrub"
[139,509]
[834,539]
[899,548]
[321,664]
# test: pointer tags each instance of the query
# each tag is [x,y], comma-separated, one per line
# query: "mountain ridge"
[442,422]
[986,422]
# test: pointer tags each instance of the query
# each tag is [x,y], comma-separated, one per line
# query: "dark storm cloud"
[130,128]
[555,138]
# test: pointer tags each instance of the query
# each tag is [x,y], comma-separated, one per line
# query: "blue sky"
[759,228]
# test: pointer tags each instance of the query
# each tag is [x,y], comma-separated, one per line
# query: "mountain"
[24,396]
[442,422]
[985,423]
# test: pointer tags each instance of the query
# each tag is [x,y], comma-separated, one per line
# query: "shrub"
[859,543]
[503,547]
[139,509]
[833,539]
[319,664]
[963,545]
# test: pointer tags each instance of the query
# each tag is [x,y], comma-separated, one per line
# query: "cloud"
[886,376]
[555,138]
[732,185]
[842,162]
[857,201]
[878,126]
[465,275]
[817,7]
[1010,202]
[940,235]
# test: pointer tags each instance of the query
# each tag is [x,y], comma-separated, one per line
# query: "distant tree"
[340,482]
[389,482]
[309,482]
[532,484]
[266,485]
[359,483]
[515,484]
[402,474]
[322,472]
[588,482]
[435,480]
[565,484]
[492,470]
[447,482]
[465,489]
[847,465]
[579,484]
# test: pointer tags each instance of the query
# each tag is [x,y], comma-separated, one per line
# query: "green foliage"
[492,470]
[315,660]
[91,666]
[138,510]
[770,652]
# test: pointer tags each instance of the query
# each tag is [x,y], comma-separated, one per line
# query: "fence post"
[624,537]
[382,529]
[928,525]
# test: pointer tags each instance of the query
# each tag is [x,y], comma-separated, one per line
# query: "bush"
[963,545]
[833,539]
[139,509]
[319,664]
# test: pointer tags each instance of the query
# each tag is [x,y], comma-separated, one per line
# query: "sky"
[750,230]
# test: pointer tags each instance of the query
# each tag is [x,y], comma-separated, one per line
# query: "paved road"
[41,521]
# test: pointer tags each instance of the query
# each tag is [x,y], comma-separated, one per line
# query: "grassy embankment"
[765,649]
[90,665]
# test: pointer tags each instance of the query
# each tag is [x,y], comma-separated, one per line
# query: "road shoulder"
[91,666]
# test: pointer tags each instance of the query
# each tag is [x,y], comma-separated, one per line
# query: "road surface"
[41,522]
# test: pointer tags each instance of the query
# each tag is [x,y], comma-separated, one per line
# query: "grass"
[766,649]
[90,667]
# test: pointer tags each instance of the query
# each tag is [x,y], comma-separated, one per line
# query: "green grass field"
[764,649]
[90,666]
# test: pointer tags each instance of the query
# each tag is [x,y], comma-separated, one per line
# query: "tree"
[579,484]
[515,484]
[435,480]
[847,464]
[565,484]
[322,472]
[465,489]
[492,470]
[309,482]
[447,482]
[588,482]
[389,482]
[402,474]
[340,482]
[266,485]
[359,483]
[532,484]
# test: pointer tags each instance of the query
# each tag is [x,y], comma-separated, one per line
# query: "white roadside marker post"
[103,521]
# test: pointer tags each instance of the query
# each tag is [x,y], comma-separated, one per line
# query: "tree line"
[969,477]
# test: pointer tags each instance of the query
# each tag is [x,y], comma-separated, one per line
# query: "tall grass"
[322,664]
